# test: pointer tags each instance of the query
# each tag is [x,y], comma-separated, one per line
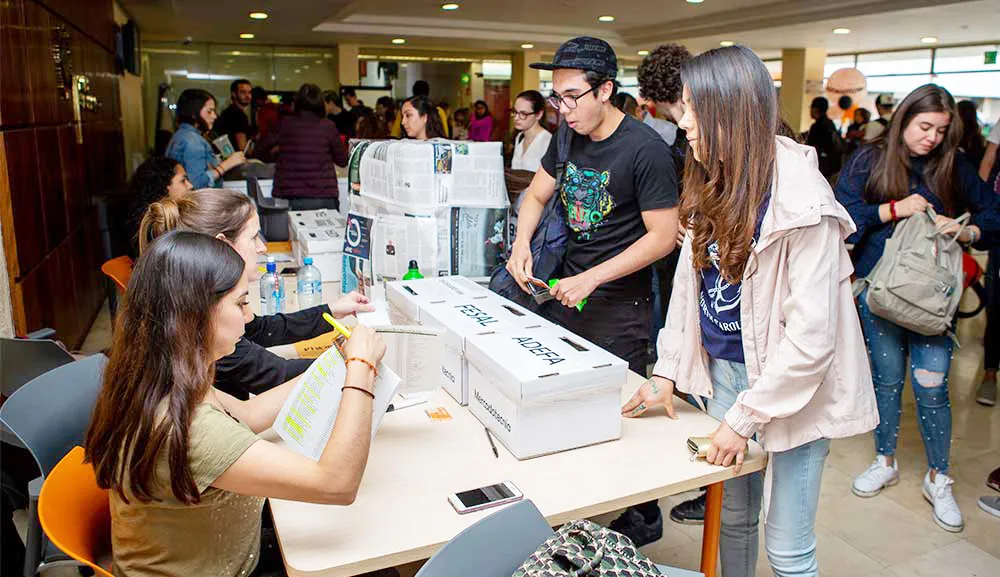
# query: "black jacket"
[252,368]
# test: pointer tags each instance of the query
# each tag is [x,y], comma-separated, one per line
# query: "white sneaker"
[878,476]
[938,493]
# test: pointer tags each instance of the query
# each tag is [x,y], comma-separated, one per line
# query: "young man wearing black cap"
[620,201]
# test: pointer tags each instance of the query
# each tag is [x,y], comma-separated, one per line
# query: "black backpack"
[548,245]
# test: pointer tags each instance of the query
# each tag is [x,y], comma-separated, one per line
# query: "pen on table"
[492,445]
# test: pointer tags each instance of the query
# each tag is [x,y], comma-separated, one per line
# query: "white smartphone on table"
[485,497]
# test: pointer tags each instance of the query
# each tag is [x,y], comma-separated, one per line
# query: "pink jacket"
[805,355]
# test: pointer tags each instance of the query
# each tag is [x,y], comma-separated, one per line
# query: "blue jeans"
[930,358]
[789,535]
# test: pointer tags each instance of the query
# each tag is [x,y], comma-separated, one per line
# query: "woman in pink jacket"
[762,327]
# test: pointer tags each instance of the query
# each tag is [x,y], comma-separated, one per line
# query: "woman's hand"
[911,205]
[365,344]
[351,303]
[235,159]
[950,227]
[654,392]
[727,446]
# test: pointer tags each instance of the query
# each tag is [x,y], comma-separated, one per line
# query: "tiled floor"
[892,534]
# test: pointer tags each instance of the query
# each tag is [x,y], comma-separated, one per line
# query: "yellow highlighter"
[346,332]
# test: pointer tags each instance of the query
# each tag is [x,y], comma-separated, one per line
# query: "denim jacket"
[189,147]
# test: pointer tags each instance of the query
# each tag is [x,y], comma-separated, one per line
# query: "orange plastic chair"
[75,513]
[119,269]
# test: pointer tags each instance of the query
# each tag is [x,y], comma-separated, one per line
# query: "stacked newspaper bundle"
[441,203]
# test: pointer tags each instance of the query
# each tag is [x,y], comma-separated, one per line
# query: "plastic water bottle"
[413,272]
[310,285]
[272,290]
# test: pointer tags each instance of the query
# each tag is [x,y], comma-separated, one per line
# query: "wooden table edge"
[751,465]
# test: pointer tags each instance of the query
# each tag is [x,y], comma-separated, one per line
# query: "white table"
[402,514]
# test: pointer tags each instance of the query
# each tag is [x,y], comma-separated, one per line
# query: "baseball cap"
[584,53]
[886,100]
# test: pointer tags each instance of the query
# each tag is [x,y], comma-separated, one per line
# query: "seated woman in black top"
[154,179]
[231,216]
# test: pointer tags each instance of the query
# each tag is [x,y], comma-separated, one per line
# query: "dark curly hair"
[660,73]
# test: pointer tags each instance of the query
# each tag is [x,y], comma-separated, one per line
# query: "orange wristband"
[360,360]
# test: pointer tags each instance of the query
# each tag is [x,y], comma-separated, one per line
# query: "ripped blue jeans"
[889,345]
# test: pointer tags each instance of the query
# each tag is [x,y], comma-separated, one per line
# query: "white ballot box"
[544,390]
[407,297]
[301,222]
[463,317]
[326,247]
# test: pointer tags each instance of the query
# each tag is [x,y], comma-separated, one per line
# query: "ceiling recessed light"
[399,40]
[318,61]
[258,15]
[527,46]
[236,53]
[725,43]
[929,39]
[247,36]
[305,67]
[605,18]
[695,1]
[450,6]
[841,31]
[643,53]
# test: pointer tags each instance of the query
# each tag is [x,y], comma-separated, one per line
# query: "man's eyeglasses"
[569,100]
[521,115]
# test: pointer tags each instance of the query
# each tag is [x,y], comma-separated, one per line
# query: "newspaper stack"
[441,203]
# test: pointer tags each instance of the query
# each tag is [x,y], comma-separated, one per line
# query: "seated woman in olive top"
[231,217]
[186,473]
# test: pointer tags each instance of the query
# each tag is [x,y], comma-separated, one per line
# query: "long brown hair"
[891,173]
[733,97]
[209,211]
[161,366]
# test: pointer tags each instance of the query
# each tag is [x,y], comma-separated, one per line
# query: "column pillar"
[347,65]
[522,76]
[801,81]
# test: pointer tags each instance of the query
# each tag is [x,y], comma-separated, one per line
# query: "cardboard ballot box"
[544,390]
[407,297]
[463,317]
[326,247]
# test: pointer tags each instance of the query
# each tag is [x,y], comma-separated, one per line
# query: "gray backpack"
[917,283]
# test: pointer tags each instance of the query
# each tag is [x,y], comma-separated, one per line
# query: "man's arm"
[659,241]
[240,140]
[986,166]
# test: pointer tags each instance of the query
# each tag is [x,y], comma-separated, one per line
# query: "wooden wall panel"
[15,106]
[48,188]
[26,203]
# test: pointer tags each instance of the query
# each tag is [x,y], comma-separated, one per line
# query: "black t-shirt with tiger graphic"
[606,186]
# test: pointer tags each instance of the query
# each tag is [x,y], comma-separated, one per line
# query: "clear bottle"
[272,290]
[413,272]
[310,285]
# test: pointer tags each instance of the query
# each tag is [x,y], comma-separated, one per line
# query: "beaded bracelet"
[365,361]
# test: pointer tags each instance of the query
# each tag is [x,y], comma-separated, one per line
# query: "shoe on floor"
[939,494]
[690,512]
[986,393]
[993,481]
[878,476]
[633,525]
[990,504]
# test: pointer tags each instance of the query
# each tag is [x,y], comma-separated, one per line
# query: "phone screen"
[477,497]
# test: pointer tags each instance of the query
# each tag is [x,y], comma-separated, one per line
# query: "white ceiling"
[767,26]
